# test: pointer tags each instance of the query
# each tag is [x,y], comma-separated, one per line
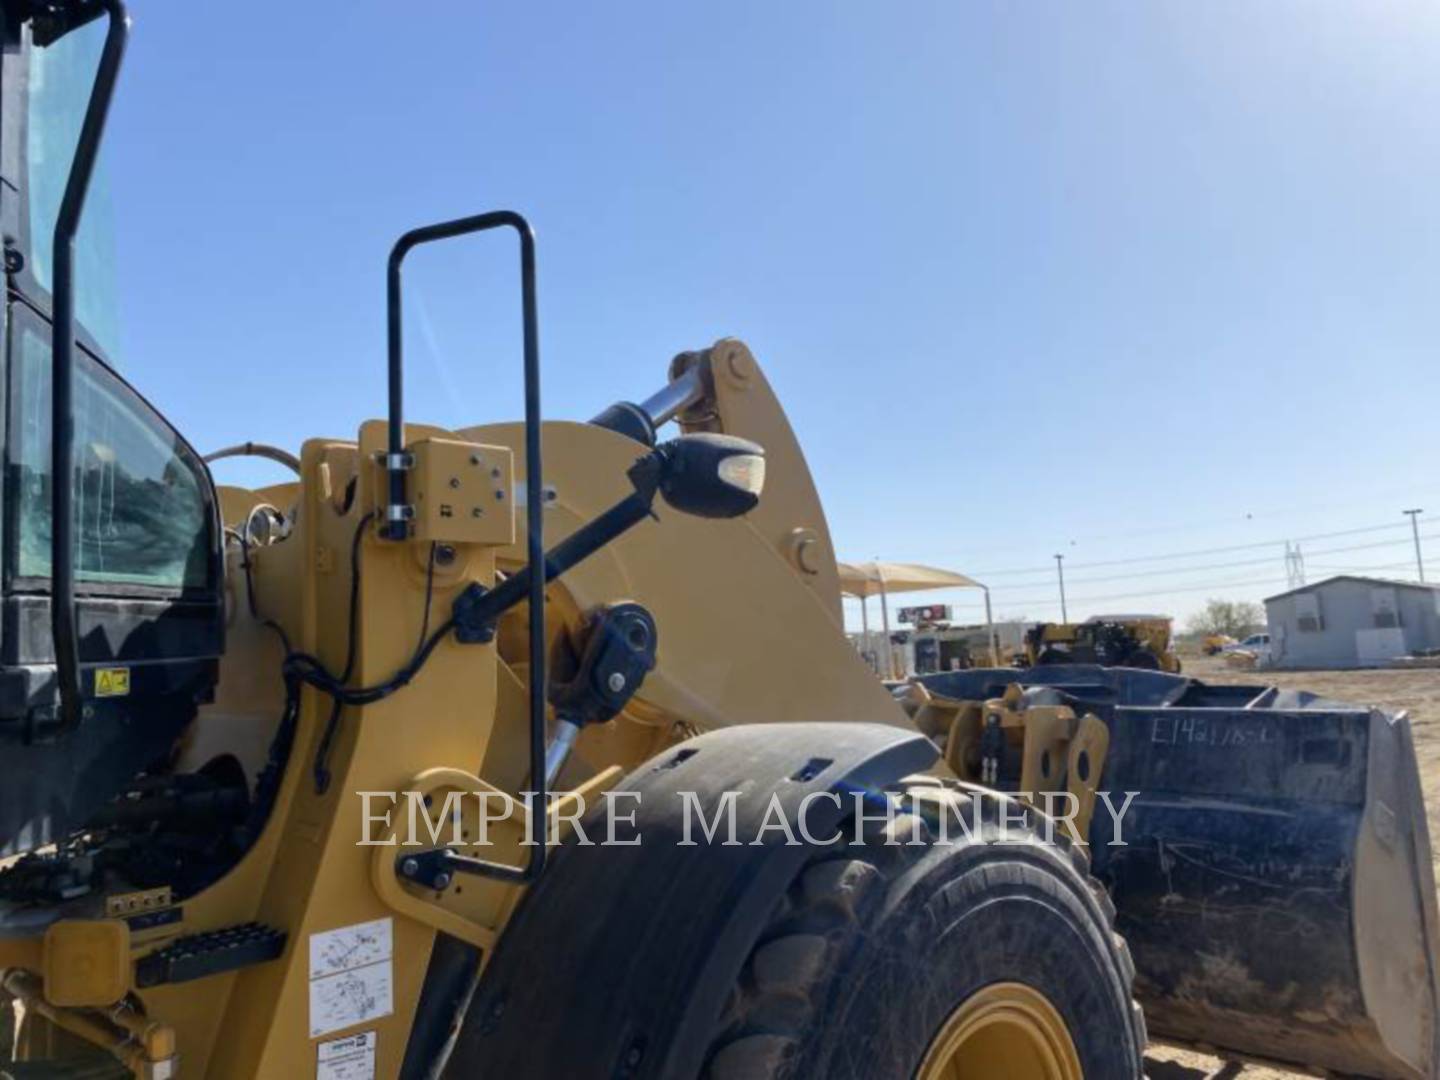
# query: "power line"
[1184,588]
[1216,586]
[1233,517]
[1170,571]
[1351,568]
[1252,546]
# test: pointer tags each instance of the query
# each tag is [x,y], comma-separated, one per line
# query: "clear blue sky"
[1112,279]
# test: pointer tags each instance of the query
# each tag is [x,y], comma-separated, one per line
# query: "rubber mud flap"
[670,922]
[1275,882]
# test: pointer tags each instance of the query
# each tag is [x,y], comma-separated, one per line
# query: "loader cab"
[146,560]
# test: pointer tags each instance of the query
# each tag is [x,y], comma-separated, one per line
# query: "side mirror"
[712,476]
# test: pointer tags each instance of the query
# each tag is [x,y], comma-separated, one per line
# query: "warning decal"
[350,1058]
[350,947]
[350,976]
[112,681]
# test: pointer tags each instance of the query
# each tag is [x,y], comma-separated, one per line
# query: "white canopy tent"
[864,580]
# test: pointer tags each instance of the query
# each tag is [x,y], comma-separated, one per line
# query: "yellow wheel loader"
[1214,644]
[1138,641]
[536,750]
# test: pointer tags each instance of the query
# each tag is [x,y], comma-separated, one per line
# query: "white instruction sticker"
[350,1058]
[350,947]
[350,977]
[350,998]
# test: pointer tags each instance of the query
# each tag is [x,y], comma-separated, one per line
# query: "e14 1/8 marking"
[1201,731]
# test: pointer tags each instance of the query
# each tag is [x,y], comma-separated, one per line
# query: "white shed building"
[1350,621]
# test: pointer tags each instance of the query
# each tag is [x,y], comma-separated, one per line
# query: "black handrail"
[62,369]
[394,524]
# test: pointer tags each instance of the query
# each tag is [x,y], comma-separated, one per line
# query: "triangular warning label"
[112,682]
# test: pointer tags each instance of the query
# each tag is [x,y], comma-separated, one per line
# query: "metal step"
[211,953]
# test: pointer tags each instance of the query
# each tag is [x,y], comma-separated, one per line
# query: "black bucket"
[1272,871]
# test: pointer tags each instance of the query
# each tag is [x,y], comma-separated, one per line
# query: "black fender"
[618,961]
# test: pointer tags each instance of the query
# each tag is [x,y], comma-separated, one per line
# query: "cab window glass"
[141,516]
[58,84]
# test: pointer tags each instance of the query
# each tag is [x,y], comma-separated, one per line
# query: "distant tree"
[1237,618]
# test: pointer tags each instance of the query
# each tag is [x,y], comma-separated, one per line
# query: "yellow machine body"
[743,605]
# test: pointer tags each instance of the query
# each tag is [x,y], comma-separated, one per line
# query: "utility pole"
[1060,569]
[1415,528]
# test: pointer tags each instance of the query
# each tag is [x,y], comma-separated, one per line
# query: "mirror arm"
[476,609]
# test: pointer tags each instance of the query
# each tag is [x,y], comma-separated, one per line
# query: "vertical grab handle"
[63,629]
[397,510]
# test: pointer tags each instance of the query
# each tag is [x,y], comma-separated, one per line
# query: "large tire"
[873,948]
[865,953]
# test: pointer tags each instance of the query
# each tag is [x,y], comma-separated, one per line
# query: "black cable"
[306,668]
[429,592]
[300,668]
[250,591]
[353,633]
[267,783]
[332,725]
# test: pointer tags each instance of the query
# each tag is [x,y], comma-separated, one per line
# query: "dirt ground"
[1418,692]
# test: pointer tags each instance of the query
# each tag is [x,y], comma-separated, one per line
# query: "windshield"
[141,510]
[58,89]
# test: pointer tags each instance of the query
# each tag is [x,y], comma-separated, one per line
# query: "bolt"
[454,481]
[410,867]
[444,555]
[442,881]
[495,473]
[739,364]
[616,682]
[633,1057]
[500,495]
[476,459]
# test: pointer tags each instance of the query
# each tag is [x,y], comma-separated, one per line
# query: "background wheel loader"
[275,760]
[1138,641]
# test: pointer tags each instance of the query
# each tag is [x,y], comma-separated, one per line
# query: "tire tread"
[824,907]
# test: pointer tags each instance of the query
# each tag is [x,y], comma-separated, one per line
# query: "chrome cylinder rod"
[674,398]
[558,750]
